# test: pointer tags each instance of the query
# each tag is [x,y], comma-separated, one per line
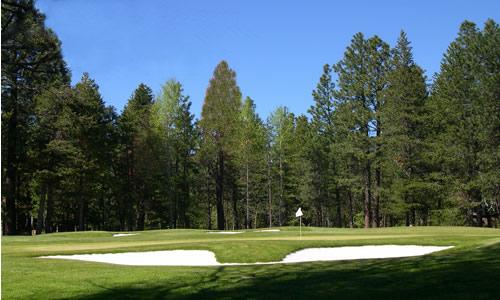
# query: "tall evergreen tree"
[73,136]
[31,61]
[219,125]
[301,171]
[361,82]
[326,179]
[137,158]
[404,132]
[91,121]
[53,149]
[465,122]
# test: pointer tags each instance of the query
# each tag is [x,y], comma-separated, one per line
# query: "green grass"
[471,270]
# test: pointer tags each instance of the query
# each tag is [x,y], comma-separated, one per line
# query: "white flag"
[299,213]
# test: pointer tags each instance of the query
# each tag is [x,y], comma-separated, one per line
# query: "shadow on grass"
[468,274]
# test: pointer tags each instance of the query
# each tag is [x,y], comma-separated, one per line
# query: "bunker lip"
[201,258]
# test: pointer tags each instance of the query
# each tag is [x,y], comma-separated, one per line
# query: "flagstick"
[300,227]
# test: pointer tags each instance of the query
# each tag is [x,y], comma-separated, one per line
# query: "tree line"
[381,144]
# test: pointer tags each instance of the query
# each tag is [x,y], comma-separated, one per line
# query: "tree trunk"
[81,208]
[351,210]
[41,211]
[131,191]
[425,216]
[11,173]
[368,196]
[378,181]
[219,190]
[236,221]
[255,217]
[175,194]
[376,214]
[269,193]
[339,208]
[280,203]
[185,192]
[247,199]
[413,217]
[141,212]
[50,209]
[321,213]
[209,204]
[103,216]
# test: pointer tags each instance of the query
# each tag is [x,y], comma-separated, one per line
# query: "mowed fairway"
[470,270]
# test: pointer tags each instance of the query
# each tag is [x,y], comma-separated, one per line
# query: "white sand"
[207,258]
[123,234]
[225,232]
[268,230]
[359,252]
[150,258]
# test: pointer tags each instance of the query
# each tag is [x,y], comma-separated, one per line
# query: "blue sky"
[277,48]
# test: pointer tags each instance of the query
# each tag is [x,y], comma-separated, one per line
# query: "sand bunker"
[268,230]
[123,234]
[207,258]
[225,232]
[359,252]
[150,258]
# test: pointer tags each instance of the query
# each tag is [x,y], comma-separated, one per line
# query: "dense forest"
[381,144]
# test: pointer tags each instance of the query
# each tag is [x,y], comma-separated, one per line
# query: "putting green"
[470,270]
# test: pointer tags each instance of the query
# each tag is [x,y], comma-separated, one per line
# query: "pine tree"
[219,125]
[465,122]
[53,149]
[361,82]
[404,132]
[301,170]
[73,136]
[31,61]
[324,162]
[91,122]
[137,158]
[324,106]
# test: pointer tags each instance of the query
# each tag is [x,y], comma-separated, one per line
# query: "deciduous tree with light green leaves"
[281,124]
[175,129]
[252,160]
